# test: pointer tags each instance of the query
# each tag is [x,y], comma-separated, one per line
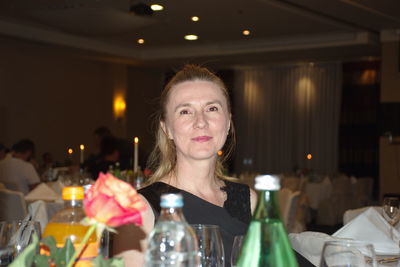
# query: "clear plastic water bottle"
[172,241]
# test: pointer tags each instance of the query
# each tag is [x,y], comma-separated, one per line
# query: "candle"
[136,155]
[70,151]
[82,148]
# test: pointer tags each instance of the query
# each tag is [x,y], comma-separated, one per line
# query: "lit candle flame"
[70,151]
[309,156]
[82,147]
[136,140]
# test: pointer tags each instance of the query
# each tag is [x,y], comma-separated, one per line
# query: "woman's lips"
[201,138]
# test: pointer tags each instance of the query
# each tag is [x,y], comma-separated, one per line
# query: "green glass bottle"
[266,243]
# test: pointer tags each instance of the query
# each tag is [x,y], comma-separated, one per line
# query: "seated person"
[194,124]
[3,151]
[125,148]
[16,171]
[108,157]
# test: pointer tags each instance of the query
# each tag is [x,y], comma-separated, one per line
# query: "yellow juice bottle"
[66,224]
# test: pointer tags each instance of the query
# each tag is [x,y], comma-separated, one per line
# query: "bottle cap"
[267,182]
[73,193]
[171,201]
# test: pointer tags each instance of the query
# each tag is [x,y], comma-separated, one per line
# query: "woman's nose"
[200,121]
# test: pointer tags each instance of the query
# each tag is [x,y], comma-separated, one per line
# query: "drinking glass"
[236,247]
[211,248]
[391,211]
[348,253]
[15,236]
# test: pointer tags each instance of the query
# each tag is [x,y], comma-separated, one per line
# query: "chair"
[13,205]
[362,192]
[288,203]
[331,209]
[291,182]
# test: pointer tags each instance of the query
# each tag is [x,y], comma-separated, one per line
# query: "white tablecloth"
[42,211]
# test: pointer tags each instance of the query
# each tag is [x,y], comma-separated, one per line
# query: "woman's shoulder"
[238,199]
[232,183]
[153,192]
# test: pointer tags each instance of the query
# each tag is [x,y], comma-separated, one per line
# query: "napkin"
[371,227]
[42,192]
[309,244]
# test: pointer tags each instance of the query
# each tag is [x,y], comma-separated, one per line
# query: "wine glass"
[211,248]
[348,253]
[15,236]
[391,211]
[236,247]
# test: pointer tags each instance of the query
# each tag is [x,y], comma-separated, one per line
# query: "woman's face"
[197,119]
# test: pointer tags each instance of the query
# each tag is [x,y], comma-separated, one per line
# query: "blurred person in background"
[46,167]
[3,151]
[16,171]
[107,159]
[124,147]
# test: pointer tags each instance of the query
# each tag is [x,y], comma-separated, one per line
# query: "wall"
[389,160]
[144,88]
[389,157]
[390,84]
[52,97]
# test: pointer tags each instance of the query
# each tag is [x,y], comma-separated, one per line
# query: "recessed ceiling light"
[191,37]
[195,18]
[156,7]
[246,32]
[140,41]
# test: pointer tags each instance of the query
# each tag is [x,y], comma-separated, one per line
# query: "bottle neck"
[73,203]
[267,205]
[172,214]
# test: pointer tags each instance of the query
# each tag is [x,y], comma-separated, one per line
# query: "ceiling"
[280,29]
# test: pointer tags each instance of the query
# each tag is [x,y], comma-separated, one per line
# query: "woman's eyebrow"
[182,105]
[214,102]
[188,104]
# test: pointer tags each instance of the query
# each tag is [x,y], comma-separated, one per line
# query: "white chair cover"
[288,203]
[13,205]
[362,191]
[331,210]
[291,182]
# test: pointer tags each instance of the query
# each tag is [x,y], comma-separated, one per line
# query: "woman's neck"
[198,178]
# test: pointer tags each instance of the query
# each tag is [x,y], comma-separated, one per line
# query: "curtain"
[284,113]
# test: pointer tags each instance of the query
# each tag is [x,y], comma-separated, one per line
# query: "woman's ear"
[229,124]
[165,129]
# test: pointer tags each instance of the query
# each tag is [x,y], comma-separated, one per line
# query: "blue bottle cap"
[171,201]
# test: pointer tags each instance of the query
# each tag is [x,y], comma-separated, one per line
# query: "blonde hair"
[163,157]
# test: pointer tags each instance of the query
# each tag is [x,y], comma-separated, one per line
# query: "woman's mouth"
[201,138]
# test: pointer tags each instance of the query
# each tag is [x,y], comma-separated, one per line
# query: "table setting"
[371,227]
[100,216]
[15,237]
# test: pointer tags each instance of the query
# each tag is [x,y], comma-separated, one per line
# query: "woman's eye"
[213,108]
[183,112]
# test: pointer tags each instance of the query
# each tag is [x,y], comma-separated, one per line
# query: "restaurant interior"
[314,86]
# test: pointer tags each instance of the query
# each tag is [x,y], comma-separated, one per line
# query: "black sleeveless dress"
[232,219]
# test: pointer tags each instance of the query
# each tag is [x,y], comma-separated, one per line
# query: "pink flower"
[113,202]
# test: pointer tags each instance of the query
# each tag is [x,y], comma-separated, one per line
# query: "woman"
[194,123]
